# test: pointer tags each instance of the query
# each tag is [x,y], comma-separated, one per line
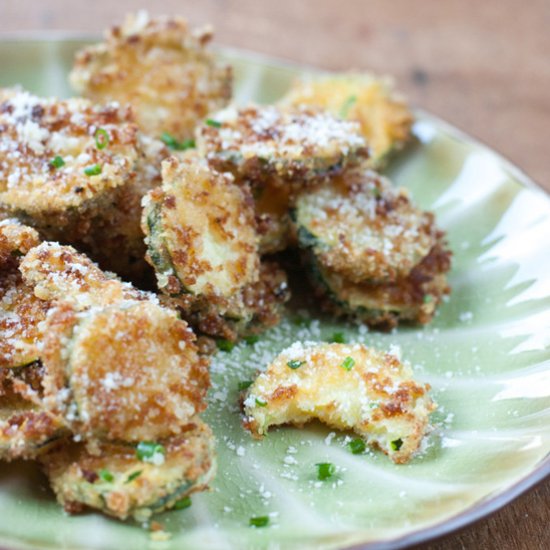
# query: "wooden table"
[482,65]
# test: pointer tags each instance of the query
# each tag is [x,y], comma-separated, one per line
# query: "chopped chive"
[251,340]
[347,105]
[101,138]
[396,444]
[338,338]
[225,345]
[133,476]
[183,503]
[93,170]
[213,123]
[427,298]
[325,470]
[57,162]
[374,405]
[301,321]
[176,145]
[259,521]
[146,450]
[260,402]
[348,363]
[105,475]
[357,446]
[295,364]
[244,385]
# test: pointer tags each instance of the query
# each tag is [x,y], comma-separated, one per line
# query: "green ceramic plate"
[486,355]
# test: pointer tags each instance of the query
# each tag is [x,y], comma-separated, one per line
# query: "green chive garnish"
[225,345]
[295,364]
[348,363]
[301,321]
[176,145]
[427,298]
[57,162]
[357,446]
[93,170]
[347,105]
[260,402]
[259,521]
[133,476]
[148,449]
[105,475]
[325,470]
[251,340]
[396,444]
[101,138]
[213,123]
[244,385]
[183,503]
[338,338]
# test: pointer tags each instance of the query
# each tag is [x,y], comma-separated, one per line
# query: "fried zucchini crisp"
[297,146]
[202,242]
[27,428]
[384,117]
[372,253]
[117,364]
[348,387]
[120,481]
[21,312]
[161,68]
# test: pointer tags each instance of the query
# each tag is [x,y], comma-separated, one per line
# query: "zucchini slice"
[159,66]
[59,272]
[300,145]
[413,298]
[126,372]
[361,227]
[384,116]
[27,429]
[21,312]
[347,386]
[54,165]
[116,482]
[200,231]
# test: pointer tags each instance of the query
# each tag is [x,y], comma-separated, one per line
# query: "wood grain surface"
[482,65]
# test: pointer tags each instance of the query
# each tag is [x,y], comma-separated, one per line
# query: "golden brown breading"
[161,68]
[59,272]
[126,372]
[299,146]
[200,231]
[21,312]
[361,227]
[61,158]
[27,429]
[348,387]
[116,482]
[385,118]
[412,298]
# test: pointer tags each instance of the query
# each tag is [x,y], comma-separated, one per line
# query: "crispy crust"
[413,298]
[384,117]
[34,131]
[161,68]
[208,249]
[125,373]
[188,467]
[27,429]
[375,395]
[362,228]
[299,146]
[59,272]
[21,312]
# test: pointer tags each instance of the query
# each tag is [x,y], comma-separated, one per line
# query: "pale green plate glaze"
[486,355]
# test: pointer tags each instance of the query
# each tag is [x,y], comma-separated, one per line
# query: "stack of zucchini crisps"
[151,177]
